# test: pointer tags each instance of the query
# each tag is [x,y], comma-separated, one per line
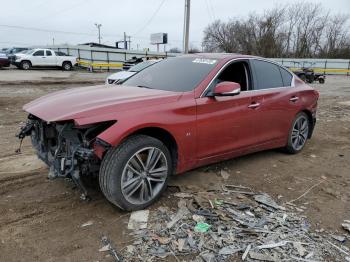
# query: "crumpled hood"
[96,100]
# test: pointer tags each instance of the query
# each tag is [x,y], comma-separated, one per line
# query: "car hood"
[121,75]
[85,102]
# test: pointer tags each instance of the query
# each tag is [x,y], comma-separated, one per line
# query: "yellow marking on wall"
[93,64]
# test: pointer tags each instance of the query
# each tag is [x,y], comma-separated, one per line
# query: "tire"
[66,66]
[25,65]
[123,180]
[321,80]
[298,133]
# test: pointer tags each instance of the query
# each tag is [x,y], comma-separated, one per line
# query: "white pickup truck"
[44,58]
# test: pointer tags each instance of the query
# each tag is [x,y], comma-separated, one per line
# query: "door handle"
[254,105]
[294,99]
[43,57]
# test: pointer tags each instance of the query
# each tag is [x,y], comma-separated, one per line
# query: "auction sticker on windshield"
[204,61]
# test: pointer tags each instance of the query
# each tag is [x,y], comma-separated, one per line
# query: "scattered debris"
[267,201]
[261,257]
[272,245]
[89,223]
[346,225]
[307,191]
[299,247]
[109,247]
[183,195]
[138,219]
[236,223]
[201,227]
[244,256]
[224,174]
[339,238]
[179,215]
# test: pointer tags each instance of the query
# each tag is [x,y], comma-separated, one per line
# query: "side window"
[48,53]
[286,77]
[267,75]
[39,53]
[235,72]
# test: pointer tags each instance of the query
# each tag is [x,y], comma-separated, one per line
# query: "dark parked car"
[4,61]
[11,52]
[185,112]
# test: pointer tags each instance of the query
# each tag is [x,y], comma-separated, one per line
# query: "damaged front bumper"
[67,150]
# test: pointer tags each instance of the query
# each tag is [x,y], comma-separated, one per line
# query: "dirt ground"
[41,219]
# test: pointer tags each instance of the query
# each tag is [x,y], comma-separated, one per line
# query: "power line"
[208,10]
[36,29]
[150,20]
[44,30]
[212,9]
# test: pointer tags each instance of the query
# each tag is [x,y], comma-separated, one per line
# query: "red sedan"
[174,116]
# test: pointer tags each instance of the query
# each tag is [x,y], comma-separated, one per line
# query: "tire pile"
[232,225]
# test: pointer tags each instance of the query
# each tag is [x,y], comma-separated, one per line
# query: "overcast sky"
[137,18]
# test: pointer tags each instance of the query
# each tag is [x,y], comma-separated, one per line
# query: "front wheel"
[321,80]
[134,174]
[25,65]
[298,134]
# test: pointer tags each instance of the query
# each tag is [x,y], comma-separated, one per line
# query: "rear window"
[59,53]
[267,75]
[286,77]
[176,74]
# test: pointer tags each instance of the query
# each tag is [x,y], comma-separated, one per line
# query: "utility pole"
[186,25]
[129,42]
[125,43]
[53,41]
[99,32]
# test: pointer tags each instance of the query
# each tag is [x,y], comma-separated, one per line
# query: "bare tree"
[299,30]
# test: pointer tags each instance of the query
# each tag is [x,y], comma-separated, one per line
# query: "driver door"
[38,58]
[225,123]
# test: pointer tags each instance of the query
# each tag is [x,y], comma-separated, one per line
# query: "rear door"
[275,101]
[50,58]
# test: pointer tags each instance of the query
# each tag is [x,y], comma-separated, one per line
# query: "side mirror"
[227,89]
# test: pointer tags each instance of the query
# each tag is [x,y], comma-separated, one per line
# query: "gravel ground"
[41,219]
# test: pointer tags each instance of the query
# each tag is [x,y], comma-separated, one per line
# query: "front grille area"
[63,148]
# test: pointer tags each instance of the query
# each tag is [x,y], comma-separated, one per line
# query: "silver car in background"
[118,77]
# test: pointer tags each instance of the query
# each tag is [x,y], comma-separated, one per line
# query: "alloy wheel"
[144,175]
[300,132]
[26,66]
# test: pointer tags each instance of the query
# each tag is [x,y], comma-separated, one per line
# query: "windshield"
[142,65]
[27,52]
[176,74]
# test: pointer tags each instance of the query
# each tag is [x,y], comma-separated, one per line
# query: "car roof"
[220,56]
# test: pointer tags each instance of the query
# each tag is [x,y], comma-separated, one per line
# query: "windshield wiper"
[144,87]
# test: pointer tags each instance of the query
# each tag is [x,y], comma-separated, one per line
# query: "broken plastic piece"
[202,227]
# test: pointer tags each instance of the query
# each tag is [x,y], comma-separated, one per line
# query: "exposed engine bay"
[66,148]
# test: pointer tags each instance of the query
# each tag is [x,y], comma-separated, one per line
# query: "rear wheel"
[298,134]
[134,174]
[25,65]
[67,66]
